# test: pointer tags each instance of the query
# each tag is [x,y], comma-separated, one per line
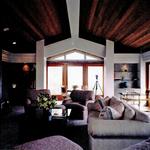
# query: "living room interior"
[77,52]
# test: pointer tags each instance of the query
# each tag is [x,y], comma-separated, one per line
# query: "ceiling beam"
[73,7]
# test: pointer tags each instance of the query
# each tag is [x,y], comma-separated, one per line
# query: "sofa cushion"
[107,101]
[117,105]
[99,104]
[117,128]
[109,113]
[129,112]
[141,116]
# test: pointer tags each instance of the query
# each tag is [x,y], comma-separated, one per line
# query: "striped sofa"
[117,134]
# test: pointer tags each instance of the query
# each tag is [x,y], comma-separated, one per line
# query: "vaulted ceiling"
[127,22]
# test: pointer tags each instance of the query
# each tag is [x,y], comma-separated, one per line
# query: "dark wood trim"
[74,62]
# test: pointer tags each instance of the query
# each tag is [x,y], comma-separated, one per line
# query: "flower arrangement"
[45,101]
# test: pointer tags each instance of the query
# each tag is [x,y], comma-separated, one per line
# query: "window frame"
[65,65]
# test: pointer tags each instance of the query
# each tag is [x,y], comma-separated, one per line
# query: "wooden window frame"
[65,65]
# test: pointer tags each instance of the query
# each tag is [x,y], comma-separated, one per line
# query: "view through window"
[95,79]
[55,79]
[74,69]
[75,76]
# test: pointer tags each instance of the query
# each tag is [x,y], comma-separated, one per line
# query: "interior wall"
[13,74]
[0,74]
[109,69]
[74,43]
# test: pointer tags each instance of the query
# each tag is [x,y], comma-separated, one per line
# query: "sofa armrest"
[91,107]
[76,106]
[28,101]
[89,101]
[78,111]
[67,101]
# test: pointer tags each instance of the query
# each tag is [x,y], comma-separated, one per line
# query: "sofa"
[116,134]
[77,103]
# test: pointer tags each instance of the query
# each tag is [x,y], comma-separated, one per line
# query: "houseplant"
[45,101]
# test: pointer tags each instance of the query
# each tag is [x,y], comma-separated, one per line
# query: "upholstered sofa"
[77,103]
[117,134]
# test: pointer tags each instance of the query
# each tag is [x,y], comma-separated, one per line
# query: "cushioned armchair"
[78,106]
[31,100]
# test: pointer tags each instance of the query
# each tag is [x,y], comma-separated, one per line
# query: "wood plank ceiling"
[127,22]
[32,20]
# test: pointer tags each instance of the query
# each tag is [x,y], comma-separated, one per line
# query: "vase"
[47,115]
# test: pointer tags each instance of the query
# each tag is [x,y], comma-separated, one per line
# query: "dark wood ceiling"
[32,20]
[124,21]
[127,22]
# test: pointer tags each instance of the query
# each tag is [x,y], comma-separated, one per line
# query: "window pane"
[75,56]
[75,76]
[59,58]
[55,79]
[88,57]
[93,83]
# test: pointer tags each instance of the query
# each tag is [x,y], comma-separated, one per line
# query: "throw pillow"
[117,105]
[109,113]
[99,104]
[107,101]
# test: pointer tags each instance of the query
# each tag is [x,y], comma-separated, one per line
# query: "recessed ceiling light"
[14,43]
[6,29]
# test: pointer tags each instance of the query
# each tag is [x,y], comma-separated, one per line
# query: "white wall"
[40,65]
[146,56]
[109,69]
[135,58]
[74,43]
[126,58]
[142,75]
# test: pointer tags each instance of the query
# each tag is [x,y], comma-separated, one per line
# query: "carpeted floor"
[16,128]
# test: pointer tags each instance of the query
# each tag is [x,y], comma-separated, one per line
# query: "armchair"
[78,106]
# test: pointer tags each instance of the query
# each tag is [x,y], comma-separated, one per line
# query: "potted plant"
[46,103]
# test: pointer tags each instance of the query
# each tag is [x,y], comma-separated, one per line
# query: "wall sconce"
[26,68]
[14,85]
